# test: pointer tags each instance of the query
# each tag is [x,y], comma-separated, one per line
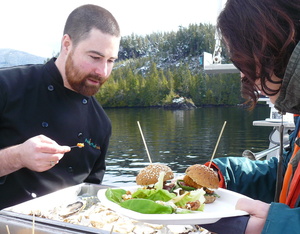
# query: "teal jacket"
[257,179]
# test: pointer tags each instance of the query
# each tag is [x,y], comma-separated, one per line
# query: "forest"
[154,69]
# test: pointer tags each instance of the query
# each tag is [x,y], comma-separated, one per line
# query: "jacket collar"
[289,97]
[53,71]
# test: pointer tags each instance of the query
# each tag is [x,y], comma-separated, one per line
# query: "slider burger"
[149,175]
[200,176]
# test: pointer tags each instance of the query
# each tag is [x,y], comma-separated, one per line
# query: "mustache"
[95,77]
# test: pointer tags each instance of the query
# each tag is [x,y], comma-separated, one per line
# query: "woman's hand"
[258,211]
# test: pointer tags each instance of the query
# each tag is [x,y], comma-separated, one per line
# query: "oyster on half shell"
[72,208]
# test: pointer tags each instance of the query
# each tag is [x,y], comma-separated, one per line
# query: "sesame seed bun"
[198,176]
[149,175]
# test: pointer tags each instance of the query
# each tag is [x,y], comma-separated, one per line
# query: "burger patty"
[189,182]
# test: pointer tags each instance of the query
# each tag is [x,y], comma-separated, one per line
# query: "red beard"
[78,79]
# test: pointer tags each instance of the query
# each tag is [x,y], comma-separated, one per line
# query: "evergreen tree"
[153,69]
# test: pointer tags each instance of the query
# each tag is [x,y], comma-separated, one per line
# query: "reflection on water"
[179,138]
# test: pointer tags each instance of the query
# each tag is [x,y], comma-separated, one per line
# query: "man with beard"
[45,109]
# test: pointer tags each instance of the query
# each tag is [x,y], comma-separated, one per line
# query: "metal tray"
[18,218]
[18,222]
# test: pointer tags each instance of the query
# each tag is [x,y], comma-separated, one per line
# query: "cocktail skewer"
[79,145]
[144,141]
[33,223]
[213,155]
[7,229]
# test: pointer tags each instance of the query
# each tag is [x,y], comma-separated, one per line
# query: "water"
[179,138]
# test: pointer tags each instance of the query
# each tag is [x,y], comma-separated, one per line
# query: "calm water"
[179,138]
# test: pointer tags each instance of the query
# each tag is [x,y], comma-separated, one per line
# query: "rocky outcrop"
[180,103]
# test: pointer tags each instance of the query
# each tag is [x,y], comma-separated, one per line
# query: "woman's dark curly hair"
[260,36]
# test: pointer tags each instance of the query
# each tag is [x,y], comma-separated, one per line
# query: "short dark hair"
[261,36]
[87,17]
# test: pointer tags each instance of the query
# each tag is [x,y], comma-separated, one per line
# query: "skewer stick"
[112,229]
[7,228]
[33,223]
[144,141]
[213,155]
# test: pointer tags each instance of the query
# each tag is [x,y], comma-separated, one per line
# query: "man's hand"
[38,153]
[258,211]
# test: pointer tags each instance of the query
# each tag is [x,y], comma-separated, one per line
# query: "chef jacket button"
[45,124]
[84,101]
[70,169]
[50,88]
[79,135]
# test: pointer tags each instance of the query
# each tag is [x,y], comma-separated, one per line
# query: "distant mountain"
[10,57]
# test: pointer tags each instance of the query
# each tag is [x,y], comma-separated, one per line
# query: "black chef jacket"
[33,101]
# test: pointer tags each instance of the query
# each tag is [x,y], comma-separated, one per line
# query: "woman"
[262,37]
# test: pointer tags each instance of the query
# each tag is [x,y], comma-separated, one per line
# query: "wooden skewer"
[112,229]
[213,155]
[7,228]
[33,223]
[144,141]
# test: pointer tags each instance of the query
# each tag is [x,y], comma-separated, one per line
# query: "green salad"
[157,200]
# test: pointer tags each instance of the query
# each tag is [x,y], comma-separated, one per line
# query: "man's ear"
[66,43]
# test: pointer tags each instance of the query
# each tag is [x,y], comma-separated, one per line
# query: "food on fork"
[80,145]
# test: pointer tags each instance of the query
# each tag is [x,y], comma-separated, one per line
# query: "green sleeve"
[255,179]
[282,219]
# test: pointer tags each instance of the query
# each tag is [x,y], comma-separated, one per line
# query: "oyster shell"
[72,208]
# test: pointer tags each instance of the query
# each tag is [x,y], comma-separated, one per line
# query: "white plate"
[223,207]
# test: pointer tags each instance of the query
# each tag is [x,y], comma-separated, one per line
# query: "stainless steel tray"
[18,222]
[19,218]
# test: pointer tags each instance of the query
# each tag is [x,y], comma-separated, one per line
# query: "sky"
[36,26]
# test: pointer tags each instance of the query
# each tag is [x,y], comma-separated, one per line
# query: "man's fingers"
[53,148]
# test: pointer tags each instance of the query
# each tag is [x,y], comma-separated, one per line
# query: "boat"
[277,122]
[212,64]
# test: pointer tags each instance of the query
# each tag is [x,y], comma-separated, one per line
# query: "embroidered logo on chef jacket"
[90,143]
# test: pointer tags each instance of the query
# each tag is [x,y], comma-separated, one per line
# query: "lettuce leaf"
[160,181]
[143,193]
[144,200]
[154,195]
[115,195]
[162,195]
[190,196]
[145,206]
